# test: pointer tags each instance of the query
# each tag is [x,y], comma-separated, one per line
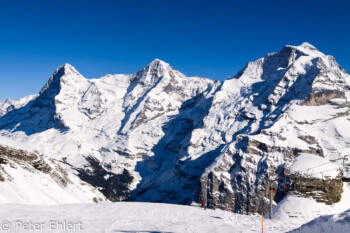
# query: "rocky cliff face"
[324,190]
[160,136]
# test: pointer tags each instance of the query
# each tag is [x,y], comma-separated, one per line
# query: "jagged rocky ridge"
[160,136]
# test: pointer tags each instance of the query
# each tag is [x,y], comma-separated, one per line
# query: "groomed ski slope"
[136,217]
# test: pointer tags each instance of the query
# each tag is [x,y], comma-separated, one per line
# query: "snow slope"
[316,167]
[294,209]
[329,223]
[155,217]
[138,217]
[30,178]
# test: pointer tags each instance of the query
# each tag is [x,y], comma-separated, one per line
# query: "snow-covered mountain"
[102,129]
[10,104]
[160,136]
[282,106]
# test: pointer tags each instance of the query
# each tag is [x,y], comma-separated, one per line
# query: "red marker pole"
[262,222]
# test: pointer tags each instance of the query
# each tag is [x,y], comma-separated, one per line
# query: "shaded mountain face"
[160,136]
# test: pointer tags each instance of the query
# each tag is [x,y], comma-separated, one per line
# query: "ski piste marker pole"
[262,222]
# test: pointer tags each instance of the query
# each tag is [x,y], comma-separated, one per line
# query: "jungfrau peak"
[160,136]
[279,107]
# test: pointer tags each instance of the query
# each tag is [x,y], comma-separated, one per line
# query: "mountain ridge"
[160,136]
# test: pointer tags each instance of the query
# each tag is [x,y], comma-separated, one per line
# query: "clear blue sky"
[213,39]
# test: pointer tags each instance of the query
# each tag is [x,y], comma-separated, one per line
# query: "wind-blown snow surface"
[160,136]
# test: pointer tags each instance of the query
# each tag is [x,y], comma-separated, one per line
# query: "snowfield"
[134,217]
[313,166]
[150,217]
[293,214]
[40,181]
[329,223]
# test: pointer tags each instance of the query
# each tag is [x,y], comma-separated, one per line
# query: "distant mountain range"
[159,136]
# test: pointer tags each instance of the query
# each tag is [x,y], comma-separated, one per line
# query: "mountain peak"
[67,69]
[63,71]
[305,48]
[307,45]
[153,71]
[157,64]
[158,61]
[9,101]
